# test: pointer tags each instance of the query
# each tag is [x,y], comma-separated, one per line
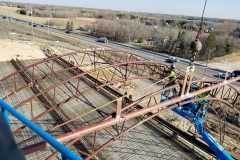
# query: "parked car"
[172,60]
[235,73]
[33,24]
[84,29]
[67,31]
[102,40]
[223,75]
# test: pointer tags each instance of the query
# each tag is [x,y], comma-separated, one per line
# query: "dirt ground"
[19,49]
[16,41]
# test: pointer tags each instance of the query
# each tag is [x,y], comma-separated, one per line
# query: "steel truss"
[123,67]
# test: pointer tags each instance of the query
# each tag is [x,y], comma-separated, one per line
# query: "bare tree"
[69,26]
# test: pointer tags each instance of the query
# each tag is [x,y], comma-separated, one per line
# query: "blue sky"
[215,8]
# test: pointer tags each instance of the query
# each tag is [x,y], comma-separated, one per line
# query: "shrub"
[23,11]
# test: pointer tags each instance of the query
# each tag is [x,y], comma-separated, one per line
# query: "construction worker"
[200,85]
[172,79]
[205,94]
[172,75]
[201,106]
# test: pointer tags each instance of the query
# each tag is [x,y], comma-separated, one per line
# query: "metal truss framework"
[139,66]
[124,114]
[97,65]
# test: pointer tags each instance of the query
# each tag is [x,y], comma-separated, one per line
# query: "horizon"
[224,10]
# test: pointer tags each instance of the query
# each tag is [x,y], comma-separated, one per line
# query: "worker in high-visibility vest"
[172,79]
[172,75]
[205,94]
[201,105]
[200,84]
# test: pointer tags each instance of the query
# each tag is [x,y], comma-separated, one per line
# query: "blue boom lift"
[196,113]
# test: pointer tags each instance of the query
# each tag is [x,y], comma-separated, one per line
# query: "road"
[211,73]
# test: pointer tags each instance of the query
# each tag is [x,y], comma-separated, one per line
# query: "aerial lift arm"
[197,116]
[221,153]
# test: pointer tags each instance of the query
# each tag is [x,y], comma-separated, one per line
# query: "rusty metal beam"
[140,70]
[45,99]
[73,78]
[112,121]
[47,75]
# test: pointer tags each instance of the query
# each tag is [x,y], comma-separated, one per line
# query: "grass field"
[227,63]
[231,58]
[59,22]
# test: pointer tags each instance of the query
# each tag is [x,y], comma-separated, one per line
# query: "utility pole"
[7,19]
[129,38]
[48,21]
[32,22]
[48,27]
[205,70]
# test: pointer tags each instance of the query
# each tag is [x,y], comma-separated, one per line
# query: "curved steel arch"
[136,113]
[78,76]
[53,58]
[128,129]
[134,103]
[135,69]
[157,92]
[78,93]
[35,64]
[224,95]
[77,96]
[58,105]
[90,89]
[120,56]
[226,92]
[130,64]
[125,117]
[33,82]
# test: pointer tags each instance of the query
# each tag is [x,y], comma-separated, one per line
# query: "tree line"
[169,40]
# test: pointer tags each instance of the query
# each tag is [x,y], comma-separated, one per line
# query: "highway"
[211,73]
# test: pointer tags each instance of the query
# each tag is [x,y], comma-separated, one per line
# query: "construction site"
[111,104]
